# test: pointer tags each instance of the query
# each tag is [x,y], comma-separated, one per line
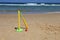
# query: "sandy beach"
[41,27]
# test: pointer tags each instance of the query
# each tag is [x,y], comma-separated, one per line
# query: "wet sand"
[41,27]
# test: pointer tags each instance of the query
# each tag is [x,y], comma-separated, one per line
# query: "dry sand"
[41,27]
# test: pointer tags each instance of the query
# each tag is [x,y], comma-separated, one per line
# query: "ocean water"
[28,9]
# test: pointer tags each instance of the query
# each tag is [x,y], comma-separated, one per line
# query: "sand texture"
[41,27]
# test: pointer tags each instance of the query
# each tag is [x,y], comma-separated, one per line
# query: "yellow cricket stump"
[18,19]
[25,23]
[19,16]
